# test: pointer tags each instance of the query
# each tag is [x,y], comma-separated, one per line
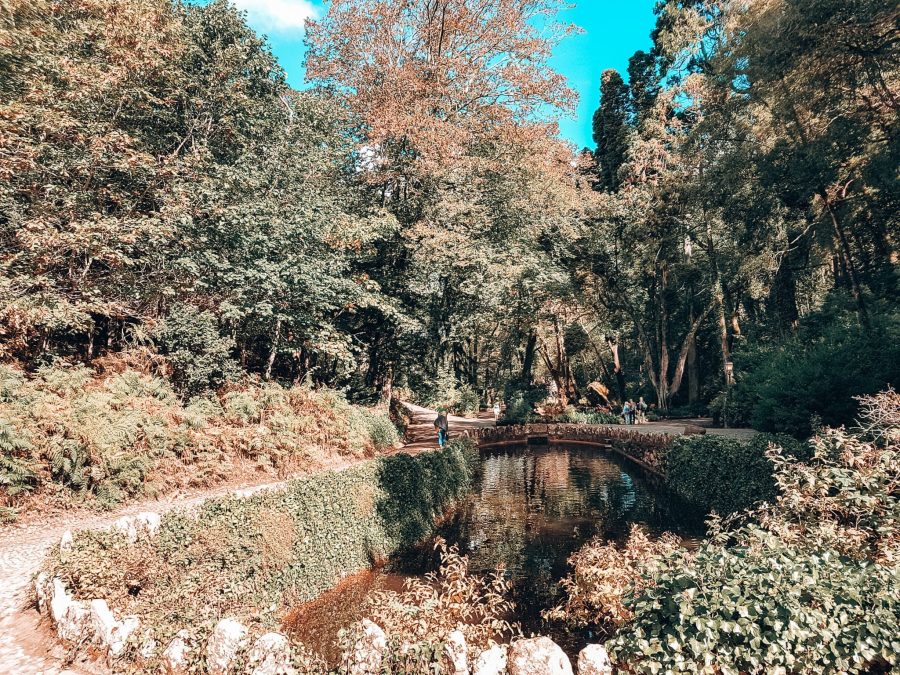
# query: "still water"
[531,508]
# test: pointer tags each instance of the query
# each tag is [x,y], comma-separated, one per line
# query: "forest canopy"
[412,219]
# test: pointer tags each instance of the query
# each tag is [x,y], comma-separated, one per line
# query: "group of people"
[634,413]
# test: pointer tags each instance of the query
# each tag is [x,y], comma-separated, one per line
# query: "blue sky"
[614,29]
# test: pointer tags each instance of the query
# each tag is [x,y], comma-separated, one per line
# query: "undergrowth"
[69,433]
[254,558]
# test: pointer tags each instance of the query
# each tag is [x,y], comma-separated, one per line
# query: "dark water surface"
[531,508]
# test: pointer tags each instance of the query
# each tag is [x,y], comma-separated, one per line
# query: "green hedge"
[237,557]
[724,474]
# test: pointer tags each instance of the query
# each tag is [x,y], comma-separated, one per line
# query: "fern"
[16,474]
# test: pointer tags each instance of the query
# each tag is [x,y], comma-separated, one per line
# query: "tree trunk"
[273,352]
[528,360]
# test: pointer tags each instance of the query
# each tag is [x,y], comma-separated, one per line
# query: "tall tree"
[611,127]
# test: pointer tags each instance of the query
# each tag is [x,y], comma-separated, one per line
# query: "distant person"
[443,428]
[632,413]
[626,412]
[642,411]
[496,410]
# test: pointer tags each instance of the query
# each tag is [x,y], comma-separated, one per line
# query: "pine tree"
[611,129]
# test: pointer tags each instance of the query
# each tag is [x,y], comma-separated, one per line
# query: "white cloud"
[277,15]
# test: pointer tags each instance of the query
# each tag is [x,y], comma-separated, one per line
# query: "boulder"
[368,650]
[593,660]
[456,654]
[491,661]
[71,616]
[538,656]
[693,430]
[111,633]
[133,527]
[65,542]
[227,638]
[174,659]
[270,655]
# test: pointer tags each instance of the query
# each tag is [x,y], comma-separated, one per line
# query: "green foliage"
[573,416]
[108,438]
[725,475]
[810,584]
[520,402]
[16,472]
[198,353]
[610,129]
[241,557]
[761,606]
[445,392]
[817,375]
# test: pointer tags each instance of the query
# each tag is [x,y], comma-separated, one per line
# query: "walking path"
[28,647]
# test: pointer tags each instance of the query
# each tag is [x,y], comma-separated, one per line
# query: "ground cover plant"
[254,558]
[71,434]
[806,583]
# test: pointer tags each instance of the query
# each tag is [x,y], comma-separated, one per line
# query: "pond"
[531,508]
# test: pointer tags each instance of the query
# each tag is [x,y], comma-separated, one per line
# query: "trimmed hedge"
[249,558]
[724,474]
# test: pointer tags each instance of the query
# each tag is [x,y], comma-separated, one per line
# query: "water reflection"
[531,508]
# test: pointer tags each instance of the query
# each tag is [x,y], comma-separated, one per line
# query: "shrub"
[200,357]
[419,619]
[113,436]
[816,376]
[762,606]
[16,471]
[245,558]
[724,474]
[603,573]
[446,392]
[810,585]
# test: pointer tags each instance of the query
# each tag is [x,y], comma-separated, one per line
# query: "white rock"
[111,633]
[71,616]
[270,655]
[491,661]
[368,651]
[593,660]
[148,647]
[174,658]
[227,638]
[456,653]
[538,656]
[65,542]
[145,523]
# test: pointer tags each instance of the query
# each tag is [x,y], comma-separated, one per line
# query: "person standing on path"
[496,410]
[443,427]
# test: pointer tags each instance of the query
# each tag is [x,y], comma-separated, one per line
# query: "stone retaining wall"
[645,450]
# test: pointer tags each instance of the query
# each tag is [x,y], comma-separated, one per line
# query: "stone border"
[595,435]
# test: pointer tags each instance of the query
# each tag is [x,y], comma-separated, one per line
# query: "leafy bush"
[446,392]
[603,573]
[598,417]
[810,585]
[724,474]
[16,472]
[199,355]
[762,606]
[250,558]
[520,403]
[813,377]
